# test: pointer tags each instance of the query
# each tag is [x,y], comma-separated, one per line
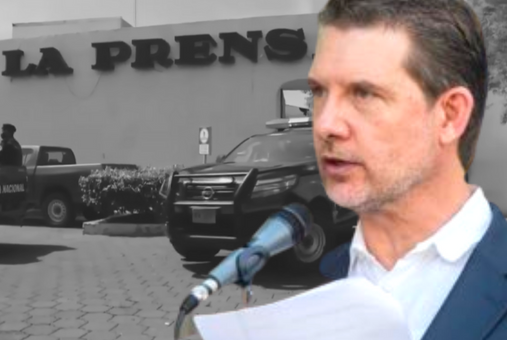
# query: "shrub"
[111,191]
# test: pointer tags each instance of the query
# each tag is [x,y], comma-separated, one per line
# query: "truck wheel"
[305,256]
[195,254]
[58,210]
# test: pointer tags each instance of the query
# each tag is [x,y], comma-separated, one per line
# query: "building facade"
[139,95]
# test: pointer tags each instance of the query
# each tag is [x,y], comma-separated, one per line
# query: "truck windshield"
[279,148]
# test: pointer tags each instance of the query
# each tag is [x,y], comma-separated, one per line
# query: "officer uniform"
[11,153]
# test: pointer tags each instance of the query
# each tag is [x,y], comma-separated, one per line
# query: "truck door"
[13,189]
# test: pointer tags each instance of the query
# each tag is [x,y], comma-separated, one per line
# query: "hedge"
[114,191]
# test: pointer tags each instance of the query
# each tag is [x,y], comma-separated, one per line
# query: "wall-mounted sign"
[285,45]
[205,141]
[51,62]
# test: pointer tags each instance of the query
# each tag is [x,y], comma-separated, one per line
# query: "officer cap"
[9,127]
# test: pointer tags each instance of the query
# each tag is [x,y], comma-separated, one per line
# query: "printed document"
[348,309]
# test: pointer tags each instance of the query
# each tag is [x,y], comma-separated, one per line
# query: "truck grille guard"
[206,183]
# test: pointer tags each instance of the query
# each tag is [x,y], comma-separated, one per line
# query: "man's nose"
[331,120]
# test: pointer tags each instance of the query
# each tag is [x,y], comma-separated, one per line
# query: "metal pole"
[135,13]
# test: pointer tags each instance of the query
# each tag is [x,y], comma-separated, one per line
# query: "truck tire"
[305,256]
[57,210]
[195,254]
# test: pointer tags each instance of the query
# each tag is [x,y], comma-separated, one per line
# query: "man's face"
[374,132]
[5,134]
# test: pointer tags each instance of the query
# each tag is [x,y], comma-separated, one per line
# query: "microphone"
[280,232]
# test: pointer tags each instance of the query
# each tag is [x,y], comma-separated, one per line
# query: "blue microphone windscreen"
[299,218]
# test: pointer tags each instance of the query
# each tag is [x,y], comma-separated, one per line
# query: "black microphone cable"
[198,294]
[179,323]
[189,304]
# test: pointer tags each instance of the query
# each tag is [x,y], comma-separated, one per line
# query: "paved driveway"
[60,284]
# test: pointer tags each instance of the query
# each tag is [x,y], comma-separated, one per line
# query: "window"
[27,156]
[275,148]
[298,103]
[296,99]
[56,157]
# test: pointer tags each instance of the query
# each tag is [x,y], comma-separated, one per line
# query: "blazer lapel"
[479,297]
[335,264]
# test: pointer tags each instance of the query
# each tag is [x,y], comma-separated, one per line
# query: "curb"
[102,227]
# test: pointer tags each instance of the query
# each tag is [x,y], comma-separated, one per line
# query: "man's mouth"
[336,166]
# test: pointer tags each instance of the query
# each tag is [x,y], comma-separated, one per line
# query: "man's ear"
[455,110]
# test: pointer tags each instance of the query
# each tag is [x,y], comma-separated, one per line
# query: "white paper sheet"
[348,309]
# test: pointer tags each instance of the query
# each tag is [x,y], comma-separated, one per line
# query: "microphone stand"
[247,295]
[246,271]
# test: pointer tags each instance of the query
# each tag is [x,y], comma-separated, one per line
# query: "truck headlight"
[164,188]
[180,183]
[273,186]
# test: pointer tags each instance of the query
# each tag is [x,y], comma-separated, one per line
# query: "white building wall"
[148,117]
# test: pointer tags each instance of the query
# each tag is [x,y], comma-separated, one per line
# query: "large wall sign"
[51,62]
[284,45]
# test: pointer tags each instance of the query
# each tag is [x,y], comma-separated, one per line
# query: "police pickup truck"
[53,190]
[218,206]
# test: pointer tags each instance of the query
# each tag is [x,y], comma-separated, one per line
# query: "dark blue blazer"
[476,308]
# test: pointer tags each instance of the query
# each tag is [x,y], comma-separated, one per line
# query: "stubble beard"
[393,186]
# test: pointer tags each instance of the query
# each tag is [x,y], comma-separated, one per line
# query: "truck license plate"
[203,215]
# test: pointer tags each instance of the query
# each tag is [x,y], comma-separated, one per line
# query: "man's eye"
[362,93]
[316,91]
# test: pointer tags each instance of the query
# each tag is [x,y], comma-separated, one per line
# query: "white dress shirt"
[422,279]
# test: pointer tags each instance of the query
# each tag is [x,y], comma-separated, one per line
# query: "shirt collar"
[453,240]
[465,229]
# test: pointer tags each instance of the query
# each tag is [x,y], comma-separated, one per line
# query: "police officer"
[11,153]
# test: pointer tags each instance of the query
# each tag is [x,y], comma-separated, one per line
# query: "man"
[399,93]
[11,153]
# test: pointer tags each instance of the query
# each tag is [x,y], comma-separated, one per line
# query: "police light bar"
[286,123]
